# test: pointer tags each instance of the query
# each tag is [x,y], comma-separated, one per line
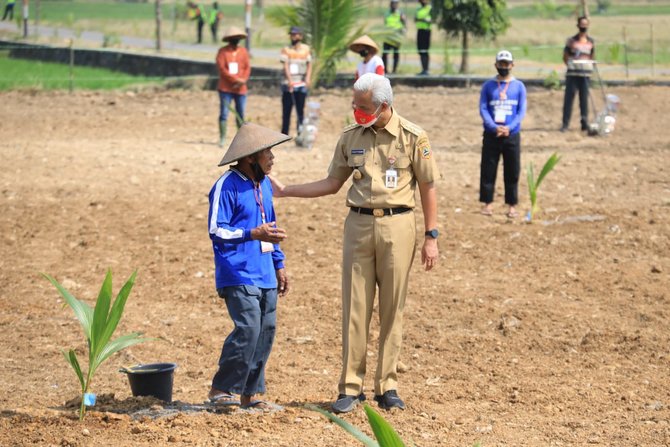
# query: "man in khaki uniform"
[388,157]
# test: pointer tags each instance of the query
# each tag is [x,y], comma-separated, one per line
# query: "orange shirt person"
[232,62]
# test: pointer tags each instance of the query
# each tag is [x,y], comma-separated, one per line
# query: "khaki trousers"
[378,251]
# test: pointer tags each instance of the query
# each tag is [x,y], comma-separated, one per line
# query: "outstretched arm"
[324,187]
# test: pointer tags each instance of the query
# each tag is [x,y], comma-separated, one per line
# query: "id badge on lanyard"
[499,110]
[266,247]
[391,175]
[233,68]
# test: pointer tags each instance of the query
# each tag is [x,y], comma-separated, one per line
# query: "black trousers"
[574,84]
[510,149]
[9,11]
[201,23]
[289,99]
[388,48]
[423,45]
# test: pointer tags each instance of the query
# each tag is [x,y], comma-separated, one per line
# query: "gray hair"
[379,85]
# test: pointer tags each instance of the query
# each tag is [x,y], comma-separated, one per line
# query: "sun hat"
[504,55]
[234,33]
[362,42]
[249,139]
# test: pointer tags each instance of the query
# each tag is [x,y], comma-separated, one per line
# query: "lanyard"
[503,92]
[258,195]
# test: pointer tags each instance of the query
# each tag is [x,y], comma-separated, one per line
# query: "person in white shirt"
[367,49]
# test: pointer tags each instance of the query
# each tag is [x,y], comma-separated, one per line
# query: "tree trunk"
[585,8]
[465,54]
[159,19]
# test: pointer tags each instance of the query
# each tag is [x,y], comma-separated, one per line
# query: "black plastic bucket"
[153,379]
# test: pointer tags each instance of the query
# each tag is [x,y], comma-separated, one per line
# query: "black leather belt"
[379,212]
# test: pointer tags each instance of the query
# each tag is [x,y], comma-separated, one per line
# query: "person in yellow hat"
[368,50]
[234,68]
[197,13]
[249,265]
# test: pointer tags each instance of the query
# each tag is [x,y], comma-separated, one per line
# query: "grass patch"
[19,73]
[64,12]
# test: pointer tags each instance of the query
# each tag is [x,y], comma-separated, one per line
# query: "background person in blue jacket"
[249,265]
[502,106]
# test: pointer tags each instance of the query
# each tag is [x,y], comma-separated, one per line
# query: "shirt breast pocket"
[356,160]
[404,167]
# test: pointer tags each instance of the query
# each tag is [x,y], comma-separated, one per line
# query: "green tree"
[463,18]
[329,27]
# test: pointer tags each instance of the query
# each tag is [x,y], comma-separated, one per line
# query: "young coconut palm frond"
[99,325]
[329,27]
[384,432]
[533,184]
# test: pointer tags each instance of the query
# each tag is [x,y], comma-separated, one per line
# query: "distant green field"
[64,12]
[19,73]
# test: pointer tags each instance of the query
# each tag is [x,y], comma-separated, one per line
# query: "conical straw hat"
[234,32]
[362,42]
[249,139]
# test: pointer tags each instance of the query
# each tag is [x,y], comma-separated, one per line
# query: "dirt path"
[554,333]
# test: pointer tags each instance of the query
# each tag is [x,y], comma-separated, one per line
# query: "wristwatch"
[432,233]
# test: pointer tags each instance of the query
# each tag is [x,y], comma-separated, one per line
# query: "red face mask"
[366,119]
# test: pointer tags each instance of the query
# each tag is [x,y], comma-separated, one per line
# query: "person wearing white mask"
[388,157]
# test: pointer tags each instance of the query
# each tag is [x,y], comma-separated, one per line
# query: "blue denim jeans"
[247,348]
[240,105]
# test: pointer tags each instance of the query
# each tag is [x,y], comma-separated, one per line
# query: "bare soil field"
[554,333]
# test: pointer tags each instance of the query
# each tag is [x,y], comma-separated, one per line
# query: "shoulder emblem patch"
[423,146]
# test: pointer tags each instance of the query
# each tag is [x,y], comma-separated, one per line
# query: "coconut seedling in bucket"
[99,324]
[533,184]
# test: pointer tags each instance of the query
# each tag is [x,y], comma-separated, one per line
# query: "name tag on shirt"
[499,115]
[233,68]
[293,69]
[267,247]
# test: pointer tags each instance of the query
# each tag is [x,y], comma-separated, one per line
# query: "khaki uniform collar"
[393,126]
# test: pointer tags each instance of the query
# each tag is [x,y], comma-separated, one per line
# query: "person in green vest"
[215,17]
[9,10]
[197,12]
[396,22]
[423,21]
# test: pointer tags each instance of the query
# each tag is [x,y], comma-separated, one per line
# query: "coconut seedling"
[99,324]
[534,184]
[383,431]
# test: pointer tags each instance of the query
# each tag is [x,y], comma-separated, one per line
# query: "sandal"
[224,400]
[486,212]
[513,214]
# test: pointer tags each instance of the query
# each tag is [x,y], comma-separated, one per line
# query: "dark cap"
[295,30]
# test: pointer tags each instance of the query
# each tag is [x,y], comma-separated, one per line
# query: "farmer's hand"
[267,232]
[282,282]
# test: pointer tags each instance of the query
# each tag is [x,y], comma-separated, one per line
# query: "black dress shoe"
[390,399]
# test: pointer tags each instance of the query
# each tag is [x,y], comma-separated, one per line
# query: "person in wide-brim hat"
[367,49]
[250,139]
[234,33]
[249,268]
[364,43]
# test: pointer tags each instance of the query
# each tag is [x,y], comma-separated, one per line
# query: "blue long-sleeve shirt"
[512,107]
[234,210]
